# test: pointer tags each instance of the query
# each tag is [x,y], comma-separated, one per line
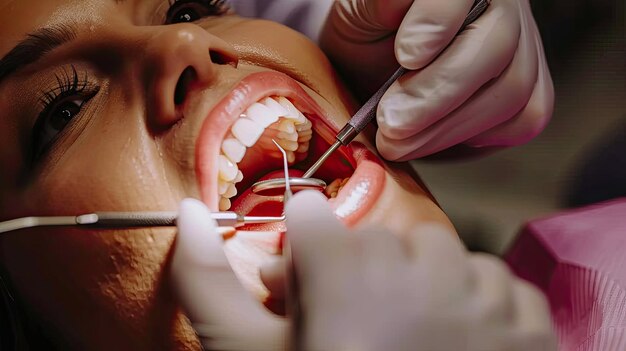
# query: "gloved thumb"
[222,311]
[199,241]
[199,262]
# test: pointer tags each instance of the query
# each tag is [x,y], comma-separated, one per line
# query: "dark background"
[581,156]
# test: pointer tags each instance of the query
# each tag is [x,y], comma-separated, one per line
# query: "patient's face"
[135,111]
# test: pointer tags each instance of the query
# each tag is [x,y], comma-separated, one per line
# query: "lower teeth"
[335,187]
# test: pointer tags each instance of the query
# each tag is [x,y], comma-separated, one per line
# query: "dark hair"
[12,337]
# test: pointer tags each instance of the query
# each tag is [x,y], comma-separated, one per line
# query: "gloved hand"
[361,290]
[490,87]
[368,290]
[225,315]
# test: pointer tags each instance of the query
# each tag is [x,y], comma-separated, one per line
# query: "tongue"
[251,204]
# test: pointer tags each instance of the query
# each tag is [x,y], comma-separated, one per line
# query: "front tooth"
[233,149]
[247,131]
[261,114]
[232,191]
[222,186]
[224,204]
[227,169]
[239,177]
[273,105]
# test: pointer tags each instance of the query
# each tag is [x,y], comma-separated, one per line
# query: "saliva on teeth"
[272,118]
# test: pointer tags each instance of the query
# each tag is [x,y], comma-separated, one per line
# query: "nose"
[178,59]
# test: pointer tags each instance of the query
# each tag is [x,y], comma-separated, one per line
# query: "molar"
[288,145]
[286,126]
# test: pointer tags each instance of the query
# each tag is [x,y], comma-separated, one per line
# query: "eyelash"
[70,87]
[209,8]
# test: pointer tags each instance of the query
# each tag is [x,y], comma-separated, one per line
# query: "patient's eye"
[60,106]
[181,11]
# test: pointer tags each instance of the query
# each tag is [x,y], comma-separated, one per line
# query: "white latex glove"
[368,290]
[362,290]
[225,315]
[490,87]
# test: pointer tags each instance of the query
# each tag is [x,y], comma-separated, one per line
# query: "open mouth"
[271,106]
[234,150]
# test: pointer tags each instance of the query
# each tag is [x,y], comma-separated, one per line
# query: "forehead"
[20,17]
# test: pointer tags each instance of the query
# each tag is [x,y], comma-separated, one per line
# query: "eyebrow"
[34,47]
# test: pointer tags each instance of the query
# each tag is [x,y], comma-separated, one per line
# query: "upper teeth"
[284,123]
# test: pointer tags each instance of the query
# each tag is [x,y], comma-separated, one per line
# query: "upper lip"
[224,113]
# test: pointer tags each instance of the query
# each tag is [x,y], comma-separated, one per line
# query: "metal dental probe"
[291,300]
[357,123]
[143,219]
[104,220]
[288,194]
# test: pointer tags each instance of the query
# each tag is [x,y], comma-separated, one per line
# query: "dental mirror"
[286,186]
[274,187]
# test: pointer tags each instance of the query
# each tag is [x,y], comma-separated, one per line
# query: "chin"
[235,149]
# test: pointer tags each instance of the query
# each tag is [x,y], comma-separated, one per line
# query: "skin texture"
[131,148]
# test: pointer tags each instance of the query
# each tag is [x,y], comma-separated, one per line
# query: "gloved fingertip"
[306,201]
[384,149]
[198,240]
[274,277]
[193,216]
[410,57]
[309,217]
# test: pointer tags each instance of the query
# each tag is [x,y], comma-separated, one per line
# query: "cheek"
[109,167]
[110,277]
[79,281]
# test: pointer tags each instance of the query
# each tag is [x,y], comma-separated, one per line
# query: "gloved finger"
[491,294]
[533,327]
[323,253]
[421,98]
[215,301]
[316,236]
[432,247]
[427,29]
[379,252]
[492,105]
[274,277]
[533,118]
[367,21]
